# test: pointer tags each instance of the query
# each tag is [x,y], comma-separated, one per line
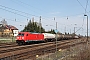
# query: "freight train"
[25,37]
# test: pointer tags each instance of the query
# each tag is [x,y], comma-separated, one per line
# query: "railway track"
[30,51]
[6,45]
[15,48]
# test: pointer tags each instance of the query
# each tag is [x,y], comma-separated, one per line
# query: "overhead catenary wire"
[25,14]
[29,5]
[19,11]
[86,6]
[5,8]
[20,3]
[12,20]
[14,12]
[39,9]
[80,4]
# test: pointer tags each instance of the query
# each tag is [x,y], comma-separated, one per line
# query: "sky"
[68,14]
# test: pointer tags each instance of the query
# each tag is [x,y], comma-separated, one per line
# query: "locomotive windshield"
[20,34]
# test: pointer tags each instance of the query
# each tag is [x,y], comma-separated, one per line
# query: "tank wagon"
[49,37]
[25,37]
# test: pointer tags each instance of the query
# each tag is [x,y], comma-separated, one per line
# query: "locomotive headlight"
[22,38]
[17,37]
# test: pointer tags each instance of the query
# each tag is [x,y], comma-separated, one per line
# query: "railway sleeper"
[20,56]
[27,55]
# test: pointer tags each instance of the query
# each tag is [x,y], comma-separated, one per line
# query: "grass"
[7,39]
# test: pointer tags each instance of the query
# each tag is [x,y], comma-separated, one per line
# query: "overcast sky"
[68,14]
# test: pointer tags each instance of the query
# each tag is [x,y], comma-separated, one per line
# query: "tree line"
[36,27]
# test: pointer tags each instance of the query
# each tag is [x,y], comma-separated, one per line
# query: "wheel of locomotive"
[21,43]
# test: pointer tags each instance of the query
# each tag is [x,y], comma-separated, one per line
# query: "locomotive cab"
[20,39]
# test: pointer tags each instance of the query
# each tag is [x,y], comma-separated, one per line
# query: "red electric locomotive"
[24,37]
